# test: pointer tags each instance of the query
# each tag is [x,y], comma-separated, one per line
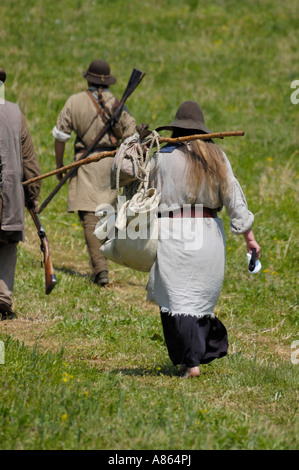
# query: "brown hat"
[188,116]
[99,73]
[2,75]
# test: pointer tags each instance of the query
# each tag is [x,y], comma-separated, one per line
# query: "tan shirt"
[91,184]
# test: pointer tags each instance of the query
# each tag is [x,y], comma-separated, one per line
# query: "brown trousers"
[8,261]
[97,260]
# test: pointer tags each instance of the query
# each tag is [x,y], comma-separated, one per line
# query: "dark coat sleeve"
[30,163]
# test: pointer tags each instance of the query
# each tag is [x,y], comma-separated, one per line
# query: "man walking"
[86,113]
[18,162]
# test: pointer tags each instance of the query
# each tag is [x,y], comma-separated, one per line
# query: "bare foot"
[191,372]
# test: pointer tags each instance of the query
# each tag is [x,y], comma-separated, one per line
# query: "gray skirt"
[187,276]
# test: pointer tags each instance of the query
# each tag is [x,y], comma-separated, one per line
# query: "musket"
[50,278]
[134,81]
[162,140]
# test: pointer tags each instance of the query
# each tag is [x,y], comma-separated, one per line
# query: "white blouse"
[168,176]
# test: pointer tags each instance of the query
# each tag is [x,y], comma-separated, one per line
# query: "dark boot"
[6,312]
[102,278]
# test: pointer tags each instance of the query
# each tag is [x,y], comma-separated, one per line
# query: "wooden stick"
[215,135]
[99,156]
[63,169]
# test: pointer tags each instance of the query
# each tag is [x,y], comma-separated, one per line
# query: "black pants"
[193,341]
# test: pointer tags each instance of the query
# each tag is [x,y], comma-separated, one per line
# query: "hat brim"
[185,125]
[109,80]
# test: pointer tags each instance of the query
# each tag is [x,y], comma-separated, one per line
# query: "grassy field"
[87,368]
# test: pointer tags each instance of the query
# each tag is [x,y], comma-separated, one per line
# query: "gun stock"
[134,81]
[50,277]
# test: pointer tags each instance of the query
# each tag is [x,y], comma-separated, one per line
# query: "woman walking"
[194,180]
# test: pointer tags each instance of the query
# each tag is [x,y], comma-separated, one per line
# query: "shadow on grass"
[168,370]
[71,272]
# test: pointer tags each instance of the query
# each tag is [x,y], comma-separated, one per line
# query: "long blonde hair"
[206,161]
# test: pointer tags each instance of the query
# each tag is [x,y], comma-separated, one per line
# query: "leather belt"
[189,212]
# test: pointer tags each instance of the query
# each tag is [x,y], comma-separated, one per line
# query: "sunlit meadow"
[87,368]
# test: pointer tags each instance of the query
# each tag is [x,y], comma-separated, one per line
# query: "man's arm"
[127,123]
[62,133]
[59,153]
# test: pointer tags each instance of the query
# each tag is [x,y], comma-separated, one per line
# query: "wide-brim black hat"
[99,73]
[188,116]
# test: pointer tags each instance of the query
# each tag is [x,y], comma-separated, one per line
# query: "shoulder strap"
[81,138]
[100,109]
[103,111]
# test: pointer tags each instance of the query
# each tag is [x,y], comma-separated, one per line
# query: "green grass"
[48,403]
[88,369]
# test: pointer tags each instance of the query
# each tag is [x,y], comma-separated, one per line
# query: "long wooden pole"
[162,140]
[76,164]
[215,135]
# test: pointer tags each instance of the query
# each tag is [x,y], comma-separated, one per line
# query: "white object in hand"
[257,266]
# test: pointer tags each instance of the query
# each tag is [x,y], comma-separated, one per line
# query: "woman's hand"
[252,243]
